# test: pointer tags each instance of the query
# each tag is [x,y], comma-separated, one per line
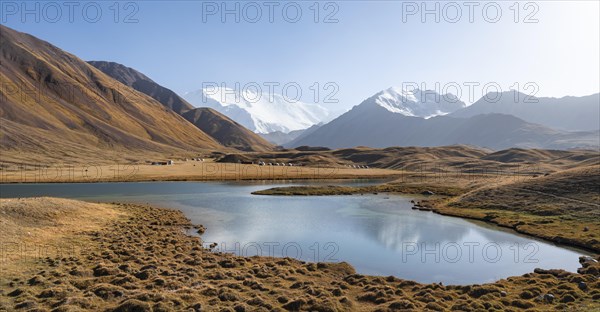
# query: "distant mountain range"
[260,112]
[218,126]
[566,113]
[281,138]
[394,118]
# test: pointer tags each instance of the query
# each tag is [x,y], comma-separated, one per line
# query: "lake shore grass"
[140,259]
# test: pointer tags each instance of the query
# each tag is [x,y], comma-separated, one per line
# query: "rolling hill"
[454,158]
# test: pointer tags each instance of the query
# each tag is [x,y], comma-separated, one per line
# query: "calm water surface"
[377,234]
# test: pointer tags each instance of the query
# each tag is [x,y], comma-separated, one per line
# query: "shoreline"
[142,259]
[200,179]
[526,234]
[438,204]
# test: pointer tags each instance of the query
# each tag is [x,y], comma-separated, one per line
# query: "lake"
[377,234]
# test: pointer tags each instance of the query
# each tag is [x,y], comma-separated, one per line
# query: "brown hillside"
[538,155]
[56,105]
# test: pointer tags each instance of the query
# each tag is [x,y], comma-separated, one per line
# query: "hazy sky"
[361,47]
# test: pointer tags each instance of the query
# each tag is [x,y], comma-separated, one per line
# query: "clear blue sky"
[368,49]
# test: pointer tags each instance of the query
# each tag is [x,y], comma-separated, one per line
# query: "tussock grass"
[141,260]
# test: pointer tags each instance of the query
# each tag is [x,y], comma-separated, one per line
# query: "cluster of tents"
[262,163]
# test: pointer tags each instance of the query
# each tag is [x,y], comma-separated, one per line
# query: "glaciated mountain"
[417,103]
[260,112]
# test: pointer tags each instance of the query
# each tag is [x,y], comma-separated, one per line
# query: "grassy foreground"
[124,257]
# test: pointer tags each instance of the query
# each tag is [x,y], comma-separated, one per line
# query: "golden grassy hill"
[57,106]
[577,189]
[563,206]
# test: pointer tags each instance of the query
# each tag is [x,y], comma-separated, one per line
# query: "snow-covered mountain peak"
[260,112]
[417,103]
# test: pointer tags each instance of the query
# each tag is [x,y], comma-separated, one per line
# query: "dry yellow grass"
[563,207]
[35,228]
[181,171]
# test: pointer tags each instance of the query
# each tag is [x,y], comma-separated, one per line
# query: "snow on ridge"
[260,112]
[418,103]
